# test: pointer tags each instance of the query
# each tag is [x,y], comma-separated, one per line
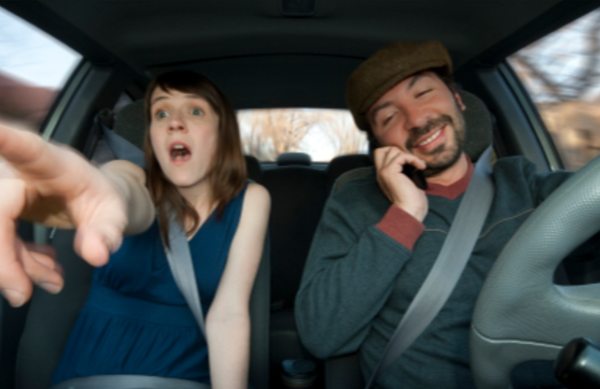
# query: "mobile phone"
[415,176]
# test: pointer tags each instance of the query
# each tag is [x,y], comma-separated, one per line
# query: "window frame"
[532,114]
[63,99]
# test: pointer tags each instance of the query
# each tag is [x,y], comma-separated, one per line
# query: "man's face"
[421,116]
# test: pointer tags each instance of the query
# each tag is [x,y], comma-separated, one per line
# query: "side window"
[33,68]
[321,133]
[561,72]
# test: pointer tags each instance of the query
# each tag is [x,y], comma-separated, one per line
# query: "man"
[380,235]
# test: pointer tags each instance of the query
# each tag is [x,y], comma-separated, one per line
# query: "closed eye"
[423,92]
[387,119]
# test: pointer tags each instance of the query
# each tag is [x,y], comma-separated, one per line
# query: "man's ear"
[459,101]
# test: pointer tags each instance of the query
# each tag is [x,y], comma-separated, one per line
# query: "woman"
[136,320]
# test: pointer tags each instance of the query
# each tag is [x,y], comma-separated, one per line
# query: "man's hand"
[50,184]
[397,187]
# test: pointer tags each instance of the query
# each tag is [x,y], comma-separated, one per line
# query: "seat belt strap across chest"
[448,266]
[180,262]
[122,148]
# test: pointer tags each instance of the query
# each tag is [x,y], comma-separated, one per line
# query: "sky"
[32,56]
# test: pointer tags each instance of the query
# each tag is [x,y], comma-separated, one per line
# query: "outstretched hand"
[51,184]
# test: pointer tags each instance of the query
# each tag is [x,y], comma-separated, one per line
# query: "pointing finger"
[16,286]
[19,146]
[41,268]
[95,243]
[29,154]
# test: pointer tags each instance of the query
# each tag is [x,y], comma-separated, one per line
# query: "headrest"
[478,121]
[287,159]
[253,168]
[130,123]
[342,164]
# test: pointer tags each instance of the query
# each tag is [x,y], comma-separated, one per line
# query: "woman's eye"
[197,112]
[161,114]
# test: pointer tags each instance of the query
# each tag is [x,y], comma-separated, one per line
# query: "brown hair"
[227,175]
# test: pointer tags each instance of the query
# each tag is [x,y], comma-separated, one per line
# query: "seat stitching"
[436,230]
[503,220]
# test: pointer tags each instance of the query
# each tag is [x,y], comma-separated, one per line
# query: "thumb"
[95,242]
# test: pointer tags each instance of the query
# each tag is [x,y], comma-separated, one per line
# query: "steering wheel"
[521,315]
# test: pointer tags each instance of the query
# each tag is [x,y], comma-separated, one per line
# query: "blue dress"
[136,320]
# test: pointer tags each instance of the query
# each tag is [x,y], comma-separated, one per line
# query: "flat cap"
[387,67]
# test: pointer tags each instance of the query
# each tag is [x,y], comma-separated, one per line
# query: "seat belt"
[180,262]
[126,381]
[122,148]
[182,268]
[178,256]
[448,266]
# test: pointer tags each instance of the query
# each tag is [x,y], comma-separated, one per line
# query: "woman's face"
[184,134]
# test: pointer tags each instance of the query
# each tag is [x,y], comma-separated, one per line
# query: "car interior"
[281,54]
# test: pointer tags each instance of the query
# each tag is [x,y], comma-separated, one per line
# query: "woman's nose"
[176,124]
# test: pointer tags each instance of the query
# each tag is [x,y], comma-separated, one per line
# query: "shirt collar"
[454,190]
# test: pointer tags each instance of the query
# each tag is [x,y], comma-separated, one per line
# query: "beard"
[447,154]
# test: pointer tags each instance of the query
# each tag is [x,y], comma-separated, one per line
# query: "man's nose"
[416,116]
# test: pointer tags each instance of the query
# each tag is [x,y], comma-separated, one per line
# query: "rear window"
[33,68]
[322,133]
[561,72]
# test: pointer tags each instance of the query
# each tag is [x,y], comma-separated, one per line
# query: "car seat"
[298,194]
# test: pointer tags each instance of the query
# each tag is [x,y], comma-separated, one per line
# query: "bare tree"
[545,65]
[343,134]
[562,73]
[276,131]
[270,133]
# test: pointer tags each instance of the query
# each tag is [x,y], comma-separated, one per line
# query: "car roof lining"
[256,82]
[145,34]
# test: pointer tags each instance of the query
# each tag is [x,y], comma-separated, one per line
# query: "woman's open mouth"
[179,153]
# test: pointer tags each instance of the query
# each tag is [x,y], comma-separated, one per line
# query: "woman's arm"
[54,185]
[130,181]
[228,320]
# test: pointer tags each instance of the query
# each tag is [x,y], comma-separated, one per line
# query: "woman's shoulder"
[251,199]
[256,205]
[257,196]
